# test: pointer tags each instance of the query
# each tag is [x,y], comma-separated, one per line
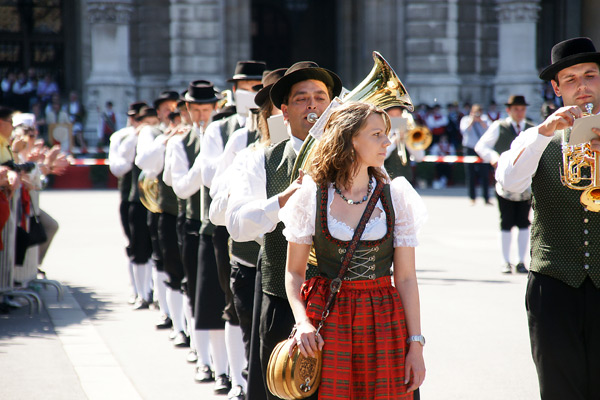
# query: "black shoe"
[181,340]
[521,268]
[506,269]
[164,322]
[204,374]
[141,304]
[192,357]
[237,393]
[222,384]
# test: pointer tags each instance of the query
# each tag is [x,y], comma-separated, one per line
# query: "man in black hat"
[514,207]
[120,165]
[563,291]
[205,296]
[263,189]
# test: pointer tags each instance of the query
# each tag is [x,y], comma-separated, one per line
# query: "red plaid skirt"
[365,339]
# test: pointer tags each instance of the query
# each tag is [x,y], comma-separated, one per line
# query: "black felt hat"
[134,108]
[167,95]
[248,71]
[201,92]
[302,71]
[146,111]
[267,83]
[568,53]
[516,100]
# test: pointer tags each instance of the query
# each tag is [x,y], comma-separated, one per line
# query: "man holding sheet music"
[563,290]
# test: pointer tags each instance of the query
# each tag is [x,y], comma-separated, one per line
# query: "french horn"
[381,88]
[149,193]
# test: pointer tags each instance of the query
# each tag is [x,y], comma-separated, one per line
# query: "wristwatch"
[416,338]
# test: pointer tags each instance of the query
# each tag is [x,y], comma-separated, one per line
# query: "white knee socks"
[236,354]
[523,241]
[160,290]
[218,351]
[201,338]
[506,238]
[175,302]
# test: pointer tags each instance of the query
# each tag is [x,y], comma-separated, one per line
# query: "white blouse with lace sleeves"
[299,213]
[410,212]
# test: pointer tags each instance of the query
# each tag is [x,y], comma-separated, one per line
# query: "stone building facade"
[443,50]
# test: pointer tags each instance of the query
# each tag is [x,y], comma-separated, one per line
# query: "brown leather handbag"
[298,377]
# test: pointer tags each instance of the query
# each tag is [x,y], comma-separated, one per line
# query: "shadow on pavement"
[18,323]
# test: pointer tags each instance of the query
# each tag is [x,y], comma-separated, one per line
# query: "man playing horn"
[563,291]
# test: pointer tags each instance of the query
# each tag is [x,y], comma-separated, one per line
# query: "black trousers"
[152,220]
[171,257]
[513,213]
[124,214]
[564,329]
[257,387]
[242,286]
[221,244]
[141,246]
[210,299]
[189,259]
[479,172]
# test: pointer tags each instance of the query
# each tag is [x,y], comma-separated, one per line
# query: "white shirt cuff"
[272,209]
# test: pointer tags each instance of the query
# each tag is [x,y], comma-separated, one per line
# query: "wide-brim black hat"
[134,108]
[248,71]
[201,92]
[267,83]
[146,112]
[516,100]
[168,95]
[302,71]
[568,53]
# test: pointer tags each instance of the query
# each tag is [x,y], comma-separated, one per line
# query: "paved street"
[93,346]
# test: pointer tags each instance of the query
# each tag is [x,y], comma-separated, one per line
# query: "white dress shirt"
[470,133]
[120,161]
[212,148]
[185,179]
[515,176]
[485,146]
[150,152]
[250,214]
[236,143]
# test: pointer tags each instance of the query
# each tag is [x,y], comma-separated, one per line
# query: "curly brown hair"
[334,158]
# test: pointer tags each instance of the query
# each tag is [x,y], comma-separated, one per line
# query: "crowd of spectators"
[25,161]
[31,92]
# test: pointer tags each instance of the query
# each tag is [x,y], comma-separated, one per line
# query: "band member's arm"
[118,164]
[150,151]
[235,144]
[220,190]
[485,146]
[212,147]
[250,214]
[517,166]
[185,180]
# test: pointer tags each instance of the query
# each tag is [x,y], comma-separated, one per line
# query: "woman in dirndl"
[371,340]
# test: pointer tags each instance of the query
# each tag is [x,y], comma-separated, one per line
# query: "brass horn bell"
[381,87]
[149,193]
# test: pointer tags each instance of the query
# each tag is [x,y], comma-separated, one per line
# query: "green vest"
[167,200]
[279,164]
[134,190]
[506,135]
[191,144]
[227,126]
[372,259]
[565,238]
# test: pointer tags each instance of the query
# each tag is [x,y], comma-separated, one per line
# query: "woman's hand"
[307,339]
[414,365]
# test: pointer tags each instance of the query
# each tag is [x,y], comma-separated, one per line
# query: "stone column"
[110,76]
[517,72]
[196,43]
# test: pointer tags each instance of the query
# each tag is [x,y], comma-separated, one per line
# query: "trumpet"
[411,135]
[577,160]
